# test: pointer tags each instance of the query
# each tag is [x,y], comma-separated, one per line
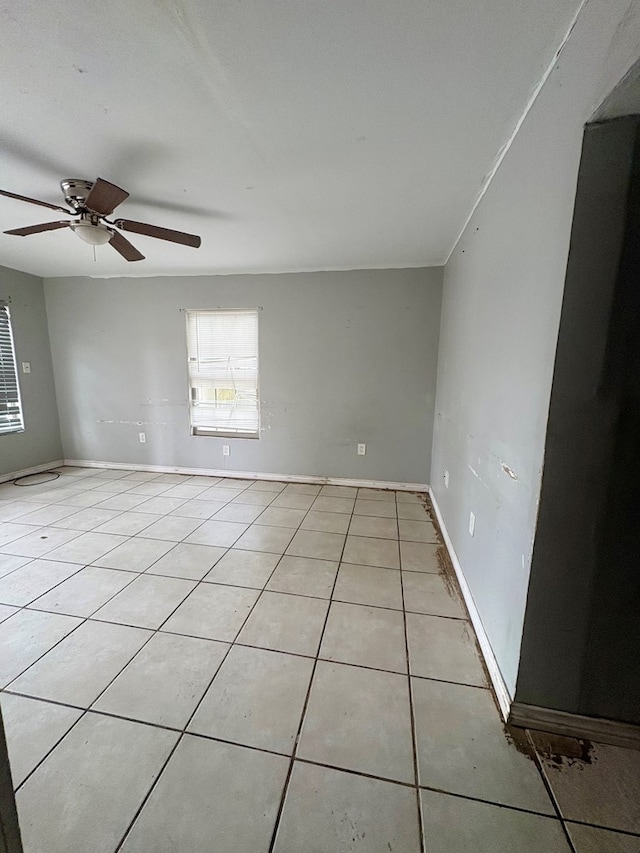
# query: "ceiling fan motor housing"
[75,192]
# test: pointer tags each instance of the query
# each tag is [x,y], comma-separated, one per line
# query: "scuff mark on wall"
[132,423]
[164,401]
[508,471]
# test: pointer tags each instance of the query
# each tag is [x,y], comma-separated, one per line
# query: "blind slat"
[222,348]
[10,408]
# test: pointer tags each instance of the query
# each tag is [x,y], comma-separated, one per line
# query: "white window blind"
[10,408]
[222,349]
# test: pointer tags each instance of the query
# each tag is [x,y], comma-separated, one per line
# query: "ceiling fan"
[91,203]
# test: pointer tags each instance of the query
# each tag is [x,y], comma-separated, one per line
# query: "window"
[10,408]
[222,348]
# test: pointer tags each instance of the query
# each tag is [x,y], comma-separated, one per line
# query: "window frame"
[9,353]
[214,431]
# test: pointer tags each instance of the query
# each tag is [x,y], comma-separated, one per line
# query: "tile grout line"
[137,574]
[550,791]
[86,710]
[110,495]
[285,789]
[146,797]
[128,537]
[414,740]
[157,518]
[349,771]
[83,619]
[625,832]
[184,732]
[149,573]
[243,645]
[120,671]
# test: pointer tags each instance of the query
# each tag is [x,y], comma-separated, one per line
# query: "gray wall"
[40,441]
[345,357]
[502,296]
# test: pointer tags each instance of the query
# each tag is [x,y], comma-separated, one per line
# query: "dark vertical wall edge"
[581,430]
[10,841]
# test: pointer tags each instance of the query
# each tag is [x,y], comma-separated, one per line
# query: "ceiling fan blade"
[35,229]
[104,197]
[159,233]
[35,201]
[126,249]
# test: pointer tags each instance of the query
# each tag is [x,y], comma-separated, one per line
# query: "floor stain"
[519,739]
[557,751]
[449,577]
[561,751]
[426,503]
[448,574]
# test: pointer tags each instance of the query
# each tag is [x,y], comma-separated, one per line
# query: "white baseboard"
[250,475]
[36,469]
[575,725]
[500,688]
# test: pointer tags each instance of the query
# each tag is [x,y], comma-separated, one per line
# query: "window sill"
[210,433]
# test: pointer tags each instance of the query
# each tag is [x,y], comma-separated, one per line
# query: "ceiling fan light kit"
[93,233]
[92,203]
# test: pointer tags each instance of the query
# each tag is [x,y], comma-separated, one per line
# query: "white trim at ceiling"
[502,153]
[423,265]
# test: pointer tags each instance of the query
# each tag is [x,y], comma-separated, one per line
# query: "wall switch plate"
[446,479]
[143,437]
[362,449]
[472,524]
[26,367]
[225,450]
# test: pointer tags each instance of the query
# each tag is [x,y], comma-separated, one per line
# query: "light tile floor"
[191,664]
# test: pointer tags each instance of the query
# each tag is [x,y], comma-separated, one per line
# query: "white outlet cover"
[446,479]
[472,524]
[362,449]
[143,437]
[225,450]
[26,367]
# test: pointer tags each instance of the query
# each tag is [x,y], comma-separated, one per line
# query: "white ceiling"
[290,134]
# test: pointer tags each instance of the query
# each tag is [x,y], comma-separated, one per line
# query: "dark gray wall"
[10,840]
[40,441]
[582,584]
[501,308]
[611,671]
[345,357]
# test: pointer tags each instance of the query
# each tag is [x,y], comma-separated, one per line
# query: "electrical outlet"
[362,449]
[446,479]
[472,524]
[225,450]
[26,367]
[143,437]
